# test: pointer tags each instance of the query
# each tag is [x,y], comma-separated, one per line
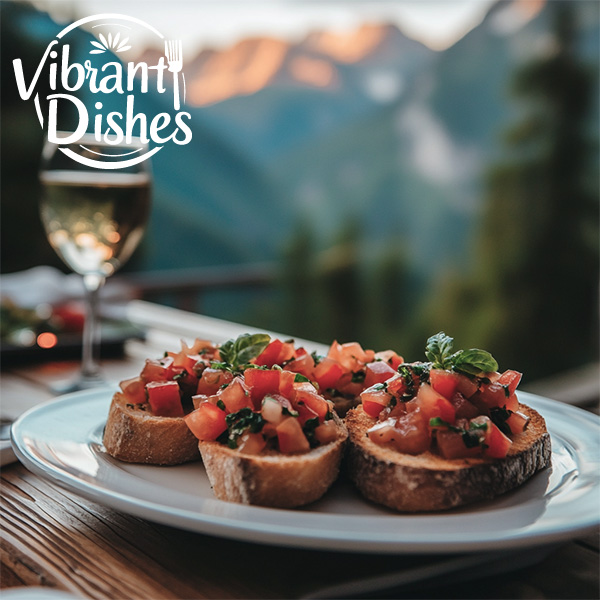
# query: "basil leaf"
[249,346]
[243,349]
[473,361]
[439,349]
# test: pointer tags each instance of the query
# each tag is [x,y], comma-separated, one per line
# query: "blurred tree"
[533,298]
[21,140]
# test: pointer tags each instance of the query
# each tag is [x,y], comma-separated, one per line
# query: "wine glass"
[94,219]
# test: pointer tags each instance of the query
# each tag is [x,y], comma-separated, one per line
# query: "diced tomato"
[198,399]
[164,398]
[251,443]
[236,396]
[512,403]
[350,355]
[517,422]
[434,405]
[303,364]
[134,390]
[451,445]
[261,382]
[290,436]
[374,400]
[207,422]
[157,370]
[390,357]
[312,400]
[305,413]
[377,372]
[467,386]
[444,382]
[326,432]
[493,394]
[286,383]
[270,355]
[511,379]
[464,409]
[327,373]
[396,386]
[497,443]
[212,380]
[408,433]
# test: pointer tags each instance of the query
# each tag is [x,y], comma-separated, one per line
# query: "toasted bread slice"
[428,482]
[272,478]
[135,435]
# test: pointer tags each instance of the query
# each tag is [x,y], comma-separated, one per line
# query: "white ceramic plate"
[62,440]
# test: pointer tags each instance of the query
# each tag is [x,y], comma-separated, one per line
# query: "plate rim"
[247,530]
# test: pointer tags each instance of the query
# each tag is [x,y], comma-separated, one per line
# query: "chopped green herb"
[358,377]
[300,378]
[221,404]
[241,421]
[309,431]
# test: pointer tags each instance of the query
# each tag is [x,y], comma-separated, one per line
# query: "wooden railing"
[185,287]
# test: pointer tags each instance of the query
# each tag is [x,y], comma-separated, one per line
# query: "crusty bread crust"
[272,479]
[136,436]
[428,482]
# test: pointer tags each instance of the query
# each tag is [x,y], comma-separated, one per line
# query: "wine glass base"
[81,382]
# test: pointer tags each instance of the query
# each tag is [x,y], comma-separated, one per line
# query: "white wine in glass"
[94,220]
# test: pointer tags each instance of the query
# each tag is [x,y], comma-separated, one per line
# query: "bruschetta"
[444,433]
[145,420]
[267,437]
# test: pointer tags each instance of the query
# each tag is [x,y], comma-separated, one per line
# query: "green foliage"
[532,297]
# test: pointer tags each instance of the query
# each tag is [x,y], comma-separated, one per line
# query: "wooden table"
[53,538]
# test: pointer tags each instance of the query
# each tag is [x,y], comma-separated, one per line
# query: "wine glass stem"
[90,366]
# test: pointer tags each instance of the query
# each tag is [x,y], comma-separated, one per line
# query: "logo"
[109,83]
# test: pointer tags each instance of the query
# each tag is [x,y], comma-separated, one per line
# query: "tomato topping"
[511,379]
[517,422]
[327,373]
[389,357]
[303,364]
[444,382]
[251,443]
[434,405]
[375,399]
[290,436]
[270,355]
[497,443]
[464,409]
[377,372]
[157,370]
[212,380]
[261,382]
[408,433]
[236,396]
[326,432]
[207,422]
[134,390]
[396,386]
[286,383]
[350,356]
[310,398]
[451,445]
[164,398]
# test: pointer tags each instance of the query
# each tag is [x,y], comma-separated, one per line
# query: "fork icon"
[175,59]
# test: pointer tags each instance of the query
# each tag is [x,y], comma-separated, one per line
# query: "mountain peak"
[349,46]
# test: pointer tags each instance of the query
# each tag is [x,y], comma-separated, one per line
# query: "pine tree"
[534,296]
